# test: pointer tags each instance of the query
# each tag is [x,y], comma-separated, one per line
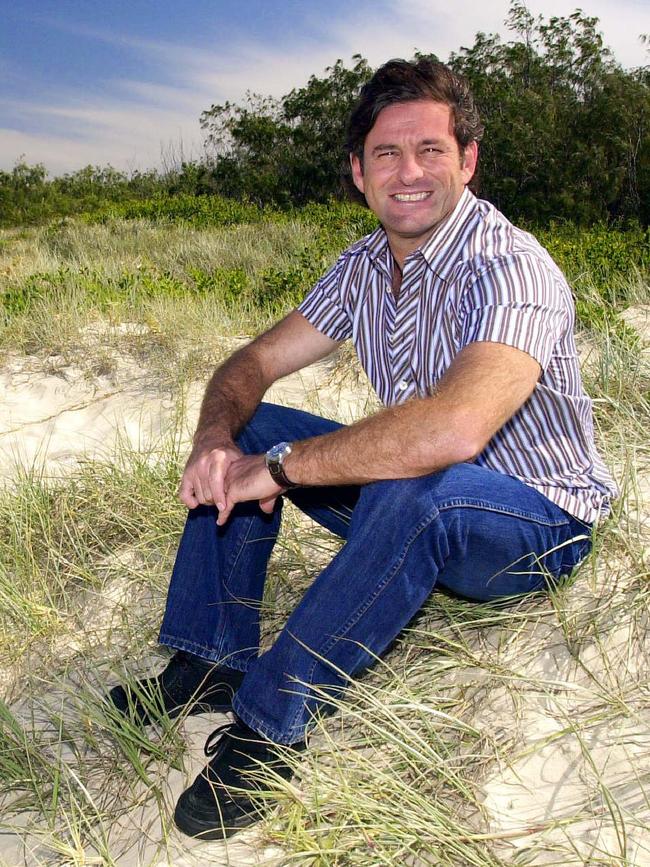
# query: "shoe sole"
[192,827]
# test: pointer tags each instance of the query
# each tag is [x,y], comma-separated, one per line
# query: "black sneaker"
[189,684]
[217,804]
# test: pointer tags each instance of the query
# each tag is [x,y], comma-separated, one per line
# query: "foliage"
[28,196]
[465,713]
[184,252]
[566,127]
[604,256]
[277,287]
[199,211]
[286,151]
[102,292]
[444,725]
[567,138]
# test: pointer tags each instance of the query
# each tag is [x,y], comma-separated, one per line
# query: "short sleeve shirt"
[477,278]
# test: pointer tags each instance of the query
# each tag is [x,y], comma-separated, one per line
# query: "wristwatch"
[274,458]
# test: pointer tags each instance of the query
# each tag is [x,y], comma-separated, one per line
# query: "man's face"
[413,173]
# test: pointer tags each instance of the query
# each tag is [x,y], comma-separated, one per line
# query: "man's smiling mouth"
[411,197]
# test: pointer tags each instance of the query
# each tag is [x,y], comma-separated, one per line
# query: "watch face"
[274,458]
[276,451]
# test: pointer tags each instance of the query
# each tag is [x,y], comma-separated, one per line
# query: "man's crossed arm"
[232,396]
[484,386]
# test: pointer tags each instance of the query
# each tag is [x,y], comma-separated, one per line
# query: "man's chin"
[417,232]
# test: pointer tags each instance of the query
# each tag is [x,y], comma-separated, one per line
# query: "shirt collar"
[440,251]
[377,248]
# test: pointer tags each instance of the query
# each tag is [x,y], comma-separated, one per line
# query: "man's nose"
[410,169]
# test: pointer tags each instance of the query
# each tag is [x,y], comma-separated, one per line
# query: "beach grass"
[494,734]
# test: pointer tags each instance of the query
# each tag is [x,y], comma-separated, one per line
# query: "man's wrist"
[208,439]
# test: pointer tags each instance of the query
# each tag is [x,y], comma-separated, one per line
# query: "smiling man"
[479,476]
[412,172]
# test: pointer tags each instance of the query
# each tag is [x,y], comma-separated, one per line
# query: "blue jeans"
[478,533]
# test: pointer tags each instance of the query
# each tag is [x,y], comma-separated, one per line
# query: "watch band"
[280,478]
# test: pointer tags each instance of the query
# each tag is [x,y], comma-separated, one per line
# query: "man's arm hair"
[238,385]
[484,386]
[232,396]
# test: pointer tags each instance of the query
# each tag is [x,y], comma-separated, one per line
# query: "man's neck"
[401,248]
[397,278]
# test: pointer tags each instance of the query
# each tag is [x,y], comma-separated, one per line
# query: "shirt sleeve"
[518,301]
[323,306]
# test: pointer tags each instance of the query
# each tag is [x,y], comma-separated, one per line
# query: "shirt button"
[402,385]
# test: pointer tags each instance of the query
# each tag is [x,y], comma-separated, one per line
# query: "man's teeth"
[410,197]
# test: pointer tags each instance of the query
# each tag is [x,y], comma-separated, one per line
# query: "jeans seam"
[205,652]
[486,506]
[294,733]
[339,510]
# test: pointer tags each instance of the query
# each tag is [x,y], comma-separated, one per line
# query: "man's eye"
[386,153]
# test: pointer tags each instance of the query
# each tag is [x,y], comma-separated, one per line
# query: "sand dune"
[54,416]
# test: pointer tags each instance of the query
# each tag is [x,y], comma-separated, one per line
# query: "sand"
[54,416]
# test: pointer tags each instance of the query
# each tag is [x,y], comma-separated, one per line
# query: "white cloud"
[59,153]
[621,22]
[123,134]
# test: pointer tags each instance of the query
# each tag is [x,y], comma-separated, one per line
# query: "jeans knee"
[402,497]
[260,430]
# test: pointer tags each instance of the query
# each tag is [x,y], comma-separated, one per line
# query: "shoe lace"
[243,739]
[216,739]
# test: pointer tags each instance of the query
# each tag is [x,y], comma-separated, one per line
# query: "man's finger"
[216,481]
[224,514]
[268,504]
[186,494]
[199,492]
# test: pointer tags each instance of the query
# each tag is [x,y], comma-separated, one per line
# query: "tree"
[287,151]
[566,127]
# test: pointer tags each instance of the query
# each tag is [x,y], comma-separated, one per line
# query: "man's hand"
[205,474]
[248,478]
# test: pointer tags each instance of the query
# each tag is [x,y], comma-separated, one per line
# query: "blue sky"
[124,81]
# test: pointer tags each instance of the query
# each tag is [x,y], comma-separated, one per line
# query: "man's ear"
[470,158]
[357,172]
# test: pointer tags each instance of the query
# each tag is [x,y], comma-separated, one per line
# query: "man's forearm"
[484,386]
[237,387]
[231,398]
[401,442]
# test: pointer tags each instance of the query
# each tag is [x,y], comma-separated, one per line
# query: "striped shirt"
[477,278]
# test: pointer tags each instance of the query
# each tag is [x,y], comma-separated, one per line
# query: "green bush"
[602,256]
[231,284]
[604,264]
[29,197]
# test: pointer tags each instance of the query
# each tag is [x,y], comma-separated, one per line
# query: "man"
[479,476]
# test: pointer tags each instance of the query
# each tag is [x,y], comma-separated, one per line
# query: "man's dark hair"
[405,81]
